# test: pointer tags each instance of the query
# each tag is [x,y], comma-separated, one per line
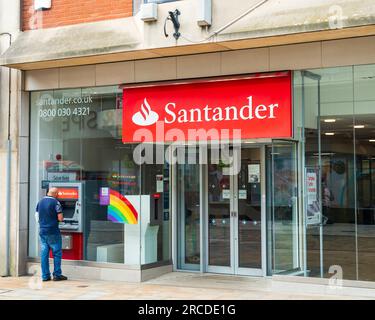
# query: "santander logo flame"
[146,116]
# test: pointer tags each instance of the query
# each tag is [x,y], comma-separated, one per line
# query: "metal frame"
[203,154]
[173,208]
[264,209]
[316,77]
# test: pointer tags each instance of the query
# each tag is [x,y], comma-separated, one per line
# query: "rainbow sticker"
[120,210]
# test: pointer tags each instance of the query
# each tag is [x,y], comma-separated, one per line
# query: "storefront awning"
[275,22]
[71,42]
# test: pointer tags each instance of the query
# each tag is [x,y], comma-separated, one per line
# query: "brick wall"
[67,12]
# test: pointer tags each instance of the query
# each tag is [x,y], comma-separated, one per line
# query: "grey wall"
[9,22]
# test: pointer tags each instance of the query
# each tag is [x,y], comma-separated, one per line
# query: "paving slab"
[176,285]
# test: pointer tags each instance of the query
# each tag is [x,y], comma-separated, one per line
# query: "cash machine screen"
[68,207]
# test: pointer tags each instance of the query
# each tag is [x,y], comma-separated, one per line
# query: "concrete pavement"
[176,285]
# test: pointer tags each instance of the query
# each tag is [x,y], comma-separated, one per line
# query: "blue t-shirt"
[48,208]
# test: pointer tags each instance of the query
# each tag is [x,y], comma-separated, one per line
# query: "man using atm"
[49,214]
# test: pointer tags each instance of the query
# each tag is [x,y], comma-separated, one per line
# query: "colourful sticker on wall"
[120,210]
[104,196]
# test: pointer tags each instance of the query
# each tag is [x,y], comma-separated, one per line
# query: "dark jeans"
[50,242]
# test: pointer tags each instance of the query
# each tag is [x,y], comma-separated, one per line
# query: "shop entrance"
[221,212]
[234,216]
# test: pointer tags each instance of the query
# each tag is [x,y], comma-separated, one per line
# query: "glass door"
[234,213]
[248,187]
[188,191]
[282,208]
[219,215]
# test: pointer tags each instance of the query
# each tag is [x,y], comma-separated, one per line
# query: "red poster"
[254,107]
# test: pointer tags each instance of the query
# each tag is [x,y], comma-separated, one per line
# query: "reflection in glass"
[338,198]
[364,114]
[155,186]
[339,132]
[330,148]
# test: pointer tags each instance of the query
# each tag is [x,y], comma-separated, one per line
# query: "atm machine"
[70,195]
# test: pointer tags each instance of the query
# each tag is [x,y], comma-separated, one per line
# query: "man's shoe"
[60,278]
[45,280]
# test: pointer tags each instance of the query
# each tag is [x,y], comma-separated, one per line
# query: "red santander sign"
[257,107]
[67,193]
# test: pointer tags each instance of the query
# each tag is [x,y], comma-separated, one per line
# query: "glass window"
[155,228]
[76,142]
[338,171]
[338,122]
[364,132]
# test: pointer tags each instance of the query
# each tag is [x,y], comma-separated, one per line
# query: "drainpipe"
[8,174]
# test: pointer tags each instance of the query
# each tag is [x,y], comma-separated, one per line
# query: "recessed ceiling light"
[359,126]
[329,120]
[249,141]
[329,133]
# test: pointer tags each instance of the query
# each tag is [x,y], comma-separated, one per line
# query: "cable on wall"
[218,31]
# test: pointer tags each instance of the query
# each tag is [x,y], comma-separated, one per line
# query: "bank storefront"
[255,175]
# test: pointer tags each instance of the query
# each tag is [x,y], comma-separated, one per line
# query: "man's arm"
[60,216]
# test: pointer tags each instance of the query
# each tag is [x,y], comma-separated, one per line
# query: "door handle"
[233,214]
